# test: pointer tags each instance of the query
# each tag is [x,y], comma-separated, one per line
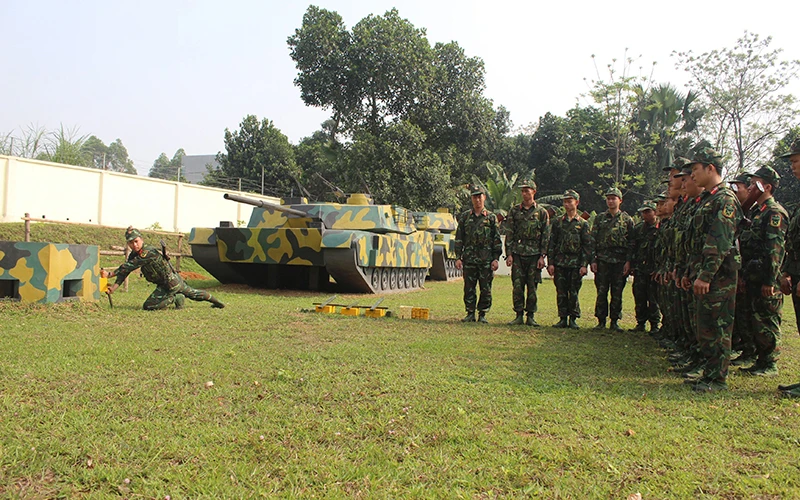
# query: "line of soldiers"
[714,258]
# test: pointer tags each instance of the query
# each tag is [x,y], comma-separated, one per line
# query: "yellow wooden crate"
[374,313]
[326,309]
[420,313]
[351,311]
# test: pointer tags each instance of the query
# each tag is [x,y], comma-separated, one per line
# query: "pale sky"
[163,75]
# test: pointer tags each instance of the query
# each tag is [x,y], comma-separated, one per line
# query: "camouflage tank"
[366,248]
[442,225]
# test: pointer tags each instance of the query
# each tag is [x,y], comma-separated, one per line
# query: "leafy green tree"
[320,159]
[666,117]
[501,191]
[259,152]
[741,89]
[548,155]
[117,159]
[113,157]
[169,169]
[397,168]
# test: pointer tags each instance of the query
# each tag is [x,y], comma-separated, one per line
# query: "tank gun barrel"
[264,204]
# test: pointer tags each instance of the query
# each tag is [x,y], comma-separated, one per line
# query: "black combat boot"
[530,321]
[601,324]
[654,329]
[561,324]
[573,324]
[615,326]
[215,302]
[640,326]
[520,319]
[469,318]
[482,317]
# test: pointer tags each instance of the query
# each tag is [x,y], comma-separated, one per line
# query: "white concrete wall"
[77,194]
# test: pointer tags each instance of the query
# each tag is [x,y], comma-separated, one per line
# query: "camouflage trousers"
[609,276]
[765,325]
[687,332]
[474,275]
[524,274]
[568,281]
[796,300]
[163,295]
[645,298]
[714,315]
[742,334]
[667,306]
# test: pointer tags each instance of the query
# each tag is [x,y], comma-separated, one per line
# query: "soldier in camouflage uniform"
[645,289]
[611,263]
[170,287]
[790,278]
[716,263]
[527,232]
[569,252]
[478,247]
[742,335]
[762,247]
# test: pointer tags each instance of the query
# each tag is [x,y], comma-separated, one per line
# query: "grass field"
[98,403]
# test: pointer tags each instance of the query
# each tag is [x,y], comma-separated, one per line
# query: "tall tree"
[549,147]
[169,169]
[260,153]
[741,88]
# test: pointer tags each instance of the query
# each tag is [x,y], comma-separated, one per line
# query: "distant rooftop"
[193,167]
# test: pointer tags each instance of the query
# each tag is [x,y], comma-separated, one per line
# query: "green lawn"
[98,402]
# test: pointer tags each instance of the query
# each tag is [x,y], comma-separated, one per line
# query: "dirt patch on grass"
[188,275]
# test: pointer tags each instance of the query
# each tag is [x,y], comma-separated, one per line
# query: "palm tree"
[666,118]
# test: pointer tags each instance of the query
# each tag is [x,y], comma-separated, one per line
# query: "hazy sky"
[163,75]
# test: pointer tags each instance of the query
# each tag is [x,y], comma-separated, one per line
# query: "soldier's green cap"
[571,193]
[768,174]
[661,197]
[665,181]
[614,192]
[743,178]
[686,170]
[527,183]
[475,190]
[647,205]
[794,149]
[707,156]
[132,233]
[678,164]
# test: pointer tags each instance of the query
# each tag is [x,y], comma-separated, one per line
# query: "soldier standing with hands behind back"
[611,234]
[478,247]
[528,229]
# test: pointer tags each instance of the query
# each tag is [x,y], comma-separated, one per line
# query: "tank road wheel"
[384,277]
[450,268]
[415,278]
[422,274]
[401,282]
[393,279]
[374,278]
[407,278]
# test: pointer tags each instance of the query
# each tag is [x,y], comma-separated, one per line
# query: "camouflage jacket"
[155,268]
[791,264]
[686,233]
[611,236]
[527,230]
[714,243]
[661,245]
[478,238]
[643,243]
[762,244]
[570,243]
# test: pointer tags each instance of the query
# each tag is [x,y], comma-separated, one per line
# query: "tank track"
[443,269]
[341,264]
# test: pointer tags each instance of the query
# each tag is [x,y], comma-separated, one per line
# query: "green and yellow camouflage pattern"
[442,225]
[49,272]
[364,247]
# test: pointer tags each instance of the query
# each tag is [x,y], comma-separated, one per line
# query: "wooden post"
[178,258]
[127,252]
[27,227]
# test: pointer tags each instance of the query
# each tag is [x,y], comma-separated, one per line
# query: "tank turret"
[442,225]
